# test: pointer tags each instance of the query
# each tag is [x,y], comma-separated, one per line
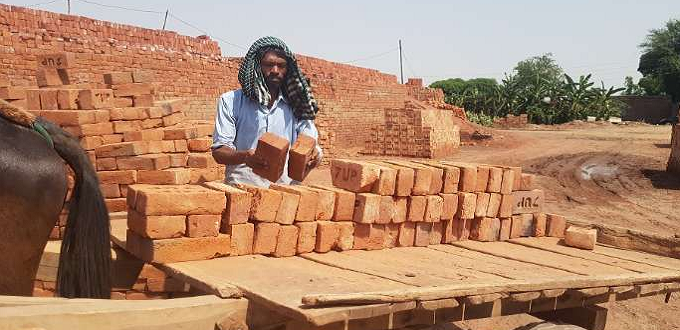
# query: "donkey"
[33,187]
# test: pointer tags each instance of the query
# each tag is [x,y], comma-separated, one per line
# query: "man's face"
[274,69]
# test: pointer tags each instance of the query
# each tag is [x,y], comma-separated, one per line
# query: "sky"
[440,39]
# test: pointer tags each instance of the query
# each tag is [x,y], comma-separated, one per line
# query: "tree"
[660,61]
[631,88]
[538,70]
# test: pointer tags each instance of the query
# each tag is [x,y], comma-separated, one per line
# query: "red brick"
[495,180]
[299,156]
[528,201]
[407,233]
[181,145]
[387,211]
[286,243]
[265,203]
[115,78]
[171,176]
[121,102]
[353,176]
[508,181]
[94,98]
[33,99]
[555,225]
[485,229]
[327,236]
[110,190]
[507,204]
[582,238]
[449,206]
[527,182]
[178,159]
[307,204]
[369,236]
[119,177]
[325,206]
[307,236]
[540,223]
[166,285]
[273,149]
[177,249]
[115,204]
[129,114]
[143,76]
[112,138]
[177,200]
[156,227]
[56,60]
[423,177]
[132,89]
[422,235]
[126,126]
[386,183]
[482,178]
[436,234]
[143,135]
[179,133]
[131,295]
[144,162]
[12,93]
[366,208]
[152,123]
[437,181]
[199,145]
[344,203]
[448,233]
[156,147]
[506,227]
[404,179]
[289,205]
[400,209]
[482,204]
[494,206]
[522,226]
[123,149]
[433,210]
[106,164]
[517,176]
[391,236]
[48,99]
[238,203]
[468,178]
[173,119]
[266,234]
[67,99]
[461,228]
[242,236]
[345,235]
[203,225]
[416,208]
[200,160]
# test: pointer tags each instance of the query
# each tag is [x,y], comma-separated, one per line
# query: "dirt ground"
[597,172]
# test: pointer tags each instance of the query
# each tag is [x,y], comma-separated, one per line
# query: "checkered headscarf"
[295,87]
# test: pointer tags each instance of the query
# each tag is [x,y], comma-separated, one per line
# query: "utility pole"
[166,18]
[401,65]
[68,3]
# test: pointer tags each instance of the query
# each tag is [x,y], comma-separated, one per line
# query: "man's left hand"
[314,160]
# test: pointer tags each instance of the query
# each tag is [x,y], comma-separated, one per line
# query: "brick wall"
[351,98]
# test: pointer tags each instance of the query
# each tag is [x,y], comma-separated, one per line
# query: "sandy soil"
[598,172]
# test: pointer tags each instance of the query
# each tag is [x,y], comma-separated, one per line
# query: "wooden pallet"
[394,288]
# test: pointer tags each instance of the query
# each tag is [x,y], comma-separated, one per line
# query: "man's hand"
[254,161]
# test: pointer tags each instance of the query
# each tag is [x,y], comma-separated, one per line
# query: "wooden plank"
[640,257]
[543,258]
[403,265]
[280,283]
[496,265]
[198,313]
[468,289]
[553,244]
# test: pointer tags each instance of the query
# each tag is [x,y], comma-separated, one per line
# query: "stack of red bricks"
[416,131]
[674,159]
[175,223]
[511,121]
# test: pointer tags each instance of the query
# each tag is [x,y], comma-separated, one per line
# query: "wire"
[372,56]
[408,65]
[43,3]
[205,32]
[120,7]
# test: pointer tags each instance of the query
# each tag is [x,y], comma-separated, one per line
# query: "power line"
[408,65]
[121,7]
[43,3]
[206,32]
[372,56]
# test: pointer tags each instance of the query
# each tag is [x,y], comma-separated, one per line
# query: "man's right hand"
[254,161]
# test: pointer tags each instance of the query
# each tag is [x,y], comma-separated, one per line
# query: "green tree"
[539,70]
[660,61]
[631,88]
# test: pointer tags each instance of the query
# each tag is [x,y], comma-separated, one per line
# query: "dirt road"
[603,173]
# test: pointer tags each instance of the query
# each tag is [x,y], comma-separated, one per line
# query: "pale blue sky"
[441,39]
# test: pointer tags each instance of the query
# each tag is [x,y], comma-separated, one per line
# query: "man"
[274,97]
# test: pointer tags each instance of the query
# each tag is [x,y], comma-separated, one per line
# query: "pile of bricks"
[415,131]
[511,121]
[674,159]
[175,223]
[371,205]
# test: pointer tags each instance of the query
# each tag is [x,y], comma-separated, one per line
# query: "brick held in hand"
[274,150]
[299,156]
